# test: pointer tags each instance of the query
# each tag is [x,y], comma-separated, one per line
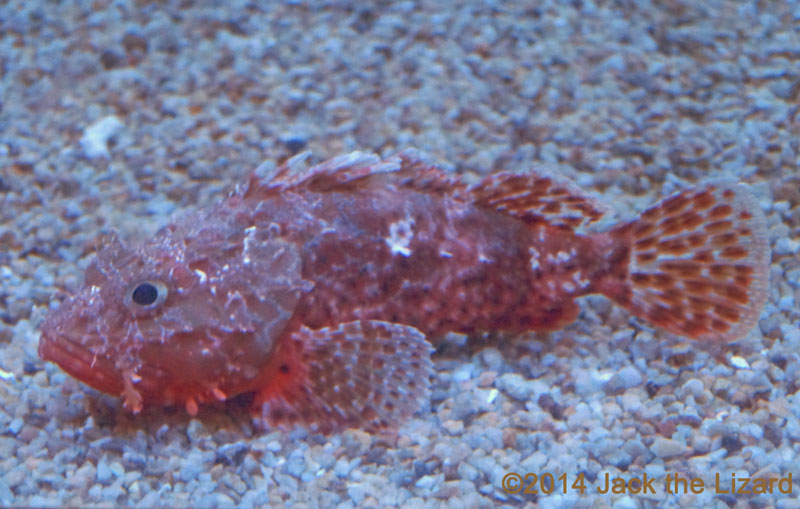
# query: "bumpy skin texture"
[320,291]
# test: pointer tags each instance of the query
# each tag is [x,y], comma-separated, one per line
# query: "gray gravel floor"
[116,114]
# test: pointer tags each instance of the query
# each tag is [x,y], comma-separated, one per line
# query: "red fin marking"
[419,174]
[537,199]
[367,374]
[698,263]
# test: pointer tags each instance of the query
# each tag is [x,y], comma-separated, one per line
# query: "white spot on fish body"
[248,239]
[577,277]
[202,275]
[534,258]
[400,235]
[562,257]
[559,258]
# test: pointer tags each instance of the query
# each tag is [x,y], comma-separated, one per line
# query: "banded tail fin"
[697,264]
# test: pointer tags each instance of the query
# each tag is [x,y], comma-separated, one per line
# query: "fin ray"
[537,198]
[698,262]
[408,169]
[368,374]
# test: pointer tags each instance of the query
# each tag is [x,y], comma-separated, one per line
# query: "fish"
[321,292]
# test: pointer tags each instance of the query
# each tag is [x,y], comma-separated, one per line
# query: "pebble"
[585,383]
[295,142]
[667,448]
[6,495]
[192,467]
[429,482]
[626,502]
[453,427]
[295,463]
[515,386]
[626,378]
[96,136]
[791,334]
[103,471]
[344,466]
[786,246]
[464,372]
[739,362]
[357,492]
[635,448]
[196,430]
[492,358]
[692,386]
[786,303]
[15,425]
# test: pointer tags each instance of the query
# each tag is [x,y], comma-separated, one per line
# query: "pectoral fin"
[367,374]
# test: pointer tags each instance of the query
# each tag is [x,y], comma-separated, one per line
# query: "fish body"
[322,292]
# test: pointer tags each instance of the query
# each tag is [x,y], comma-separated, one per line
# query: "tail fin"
[695,264]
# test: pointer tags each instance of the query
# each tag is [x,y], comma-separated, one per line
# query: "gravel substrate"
[116,114]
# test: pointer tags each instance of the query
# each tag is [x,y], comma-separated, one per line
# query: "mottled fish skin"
[322,291]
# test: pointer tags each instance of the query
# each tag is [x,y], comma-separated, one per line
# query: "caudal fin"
[695,264]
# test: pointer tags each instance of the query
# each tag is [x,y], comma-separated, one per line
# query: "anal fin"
[367,374]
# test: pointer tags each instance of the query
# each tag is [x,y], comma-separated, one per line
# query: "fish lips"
[92,369]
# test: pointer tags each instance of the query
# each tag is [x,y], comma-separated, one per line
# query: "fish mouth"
[92,369]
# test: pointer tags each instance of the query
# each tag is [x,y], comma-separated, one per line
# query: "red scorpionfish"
[321,292]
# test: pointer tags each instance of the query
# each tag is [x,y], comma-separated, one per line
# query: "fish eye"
[145,295]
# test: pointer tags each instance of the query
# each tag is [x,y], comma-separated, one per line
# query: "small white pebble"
[95,138]
[739,362]
[626,502]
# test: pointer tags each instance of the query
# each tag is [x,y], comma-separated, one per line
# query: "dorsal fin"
[418,173]
[407,169]
[332,173]
[537,198]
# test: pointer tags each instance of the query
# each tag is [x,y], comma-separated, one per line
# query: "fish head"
[188,317]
